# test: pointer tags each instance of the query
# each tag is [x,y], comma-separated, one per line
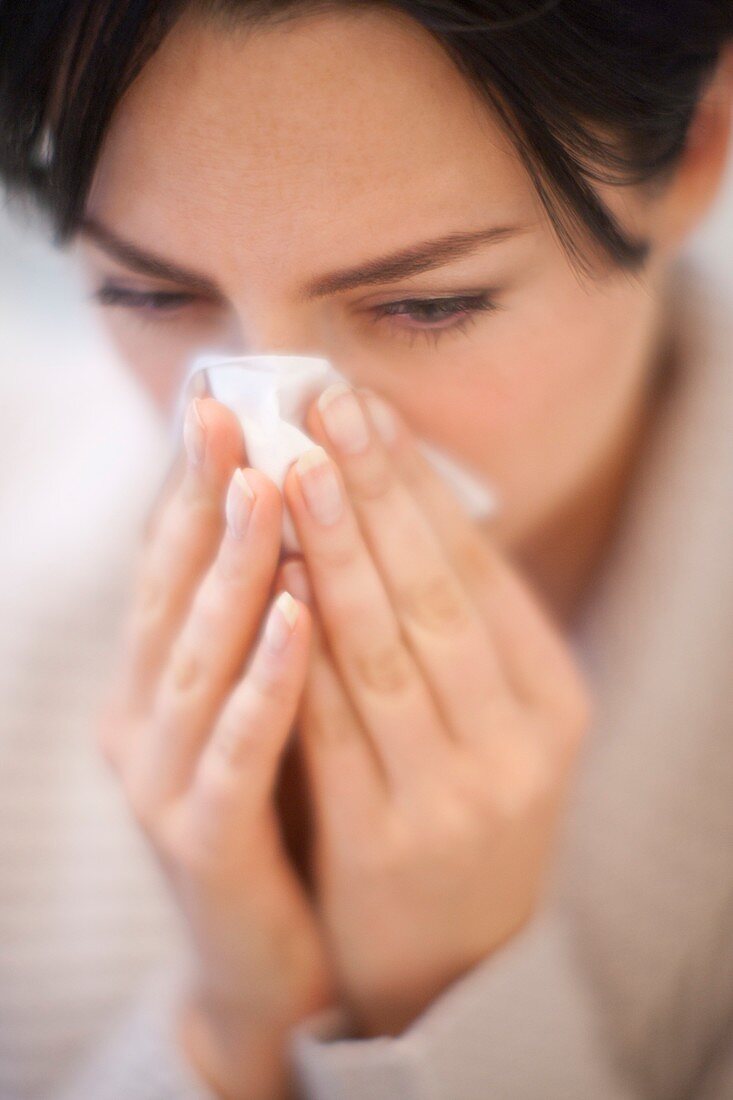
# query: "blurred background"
[76,434]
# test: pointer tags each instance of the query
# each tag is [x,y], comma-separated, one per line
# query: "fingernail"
[194,434]
[320,485]
[383,418]
[281,622]
[296,578]
[344,419]
[239,503]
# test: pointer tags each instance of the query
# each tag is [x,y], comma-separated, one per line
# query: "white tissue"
[271,394]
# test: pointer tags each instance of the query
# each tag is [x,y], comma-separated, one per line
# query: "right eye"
[142,301]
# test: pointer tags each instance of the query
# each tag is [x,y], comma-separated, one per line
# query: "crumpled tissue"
[270,394]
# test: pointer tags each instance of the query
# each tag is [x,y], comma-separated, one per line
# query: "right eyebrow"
[139,259]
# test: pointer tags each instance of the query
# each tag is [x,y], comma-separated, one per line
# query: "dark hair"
[590,91]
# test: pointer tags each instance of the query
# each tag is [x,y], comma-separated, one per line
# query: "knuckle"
[383,855]
[376,483]
[385,670]
[214,783]
[181,849]
[470,805]
[227,571]
[231,744]
[335,553]
[270,686]
[473,561]
[453,825]
[211,605]
[202,507]
[195,860]
[522,777]
[185,669]
[437,604]
[329,726]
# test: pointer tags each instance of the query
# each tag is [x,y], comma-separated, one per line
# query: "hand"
[195,727]
[441,715]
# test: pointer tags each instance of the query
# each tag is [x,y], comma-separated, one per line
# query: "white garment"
[621,990]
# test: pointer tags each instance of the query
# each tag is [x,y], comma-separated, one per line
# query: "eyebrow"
[139,259]
[413,260]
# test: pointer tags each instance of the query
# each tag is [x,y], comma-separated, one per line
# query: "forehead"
[320,131]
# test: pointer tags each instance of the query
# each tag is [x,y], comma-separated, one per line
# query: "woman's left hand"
[439,723]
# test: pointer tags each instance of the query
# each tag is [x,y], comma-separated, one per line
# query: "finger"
[448,637]
[537,660]
[344,772]
[215,638]
[384,682]
[236,773]
[182,539]
[196,387]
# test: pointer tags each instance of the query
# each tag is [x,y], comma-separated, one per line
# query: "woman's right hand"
[195,727]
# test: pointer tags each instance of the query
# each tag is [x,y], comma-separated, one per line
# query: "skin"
[436,706]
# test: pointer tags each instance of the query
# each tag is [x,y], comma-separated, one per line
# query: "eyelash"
[142,301]
[466,308]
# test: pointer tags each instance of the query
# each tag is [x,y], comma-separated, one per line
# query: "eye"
[434,316]
[142,301]
[431,317]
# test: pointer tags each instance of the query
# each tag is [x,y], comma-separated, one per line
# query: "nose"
[281,331]
[282,346]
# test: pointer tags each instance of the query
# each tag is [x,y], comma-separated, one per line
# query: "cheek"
[535,406]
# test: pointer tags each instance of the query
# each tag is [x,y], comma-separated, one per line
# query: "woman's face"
[271,163]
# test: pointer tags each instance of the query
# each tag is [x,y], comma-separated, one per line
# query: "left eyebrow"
[425,256]
[411,261]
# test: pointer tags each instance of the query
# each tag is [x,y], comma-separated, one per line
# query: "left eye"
[434,315]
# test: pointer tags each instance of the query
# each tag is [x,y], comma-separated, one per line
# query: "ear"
[699,174]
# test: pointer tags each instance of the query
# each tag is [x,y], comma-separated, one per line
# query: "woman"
[476,212]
